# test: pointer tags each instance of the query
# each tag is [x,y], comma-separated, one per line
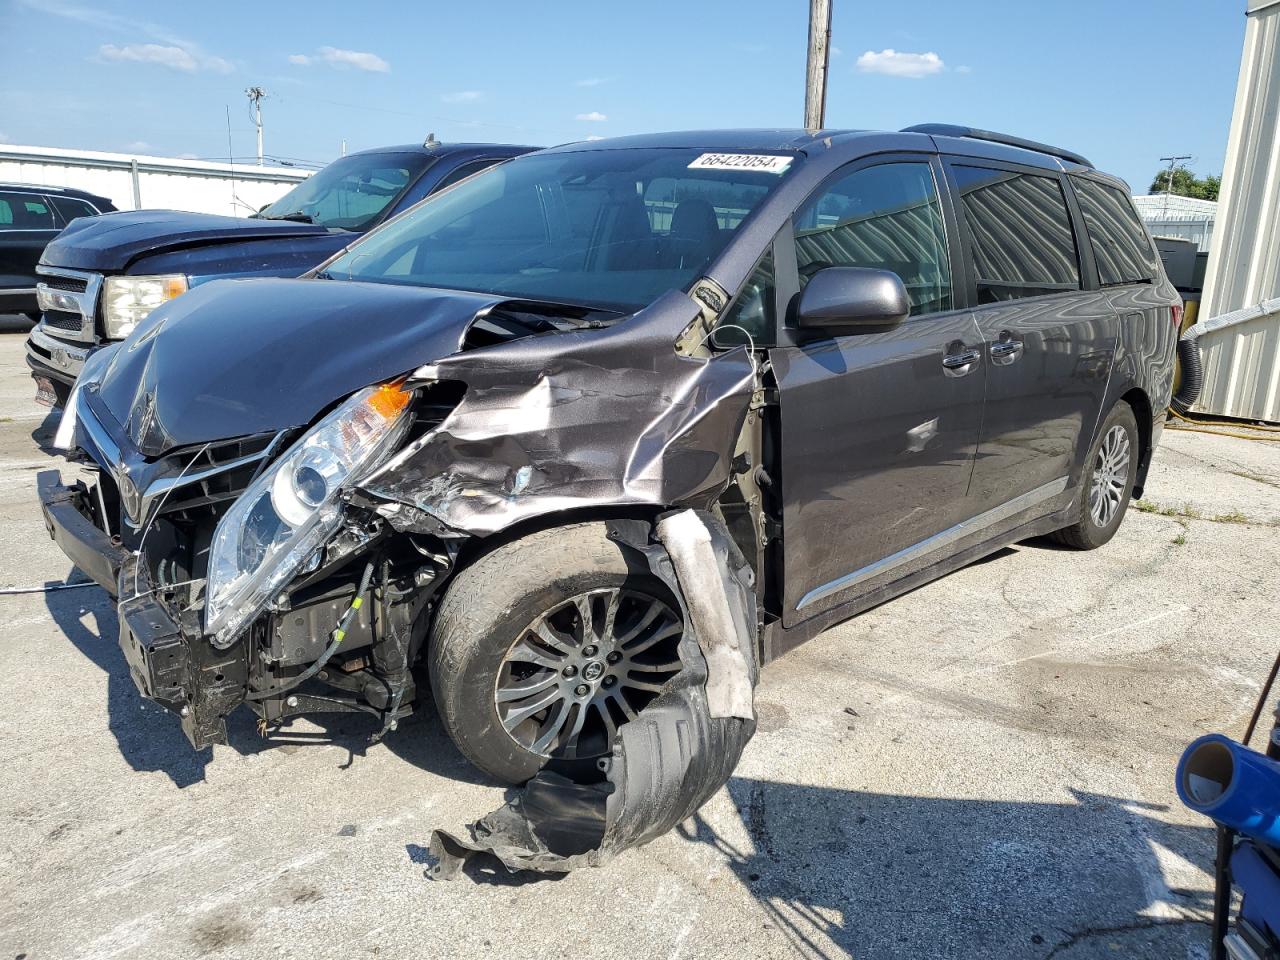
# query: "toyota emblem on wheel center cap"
[593,670]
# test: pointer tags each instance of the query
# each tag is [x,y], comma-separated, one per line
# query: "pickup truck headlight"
[128,300]
[292,508]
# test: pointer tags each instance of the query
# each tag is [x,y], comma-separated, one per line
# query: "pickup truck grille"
[69,299]
[58,320]
[70,284]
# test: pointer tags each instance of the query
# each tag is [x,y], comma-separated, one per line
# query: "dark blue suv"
[102,275]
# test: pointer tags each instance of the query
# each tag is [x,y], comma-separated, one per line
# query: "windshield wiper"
[296,217]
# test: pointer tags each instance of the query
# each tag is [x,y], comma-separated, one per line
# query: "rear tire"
[1110,471]
[482,642]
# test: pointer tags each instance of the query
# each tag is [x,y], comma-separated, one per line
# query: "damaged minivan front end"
[537,493]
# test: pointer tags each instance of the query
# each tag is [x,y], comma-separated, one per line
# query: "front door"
[1050,343]
[879,430]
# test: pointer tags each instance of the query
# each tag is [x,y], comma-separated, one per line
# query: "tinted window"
[1120,245]
[604,228]
[21,211]
[70,208]
[752,314]
[886,217]
[1020,233]
[349,193]
[462,172]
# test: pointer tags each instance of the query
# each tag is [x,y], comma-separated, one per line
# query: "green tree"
[1187,184]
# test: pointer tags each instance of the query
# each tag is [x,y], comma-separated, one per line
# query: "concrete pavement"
[981,769]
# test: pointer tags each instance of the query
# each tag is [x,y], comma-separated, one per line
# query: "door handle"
[962,358]
[1006,349]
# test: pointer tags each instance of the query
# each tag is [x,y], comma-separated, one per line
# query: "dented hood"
[114,240]
[241,357]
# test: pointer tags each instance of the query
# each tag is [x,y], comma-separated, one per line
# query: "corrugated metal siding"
[162,182]
[1241,372]
[1244,262]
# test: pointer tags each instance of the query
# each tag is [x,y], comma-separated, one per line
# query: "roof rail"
[954,130]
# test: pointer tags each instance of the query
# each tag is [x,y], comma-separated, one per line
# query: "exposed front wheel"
[1110,472]
[543,647]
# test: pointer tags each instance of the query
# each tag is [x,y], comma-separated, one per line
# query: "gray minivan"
[541,430]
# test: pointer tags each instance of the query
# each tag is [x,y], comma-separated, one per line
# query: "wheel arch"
[1140,403]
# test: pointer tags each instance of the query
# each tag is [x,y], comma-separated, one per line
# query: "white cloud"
[342,59]
[592,81]
[462,96]
[138,146]
[835,51]
[595,116]
[894,63]
[354,58]
[166,55]
[964,69]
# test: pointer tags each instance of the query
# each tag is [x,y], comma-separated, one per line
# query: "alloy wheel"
[1110,476]
[585,667]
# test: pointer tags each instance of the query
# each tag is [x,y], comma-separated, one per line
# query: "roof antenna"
[431,142]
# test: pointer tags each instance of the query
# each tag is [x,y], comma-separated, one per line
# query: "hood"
[112,241]
[235,358]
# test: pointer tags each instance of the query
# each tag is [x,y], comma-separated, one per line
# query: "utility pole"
[256,96]
[1168,183]
[815,86]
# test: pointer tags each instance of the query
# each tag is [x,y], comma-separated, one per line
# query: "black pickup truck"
[101,277]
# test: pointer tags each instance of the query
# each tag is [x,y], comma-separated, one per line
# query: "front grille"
[61,320]
[218,484]
[70,284]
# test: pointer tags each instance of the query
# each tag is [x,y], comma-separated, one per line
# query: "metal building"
[1244,263]
[138,182]
[1172,216]
[1240,309]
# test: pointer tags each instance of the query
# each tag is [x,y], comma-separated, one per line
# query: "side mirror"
[852,299]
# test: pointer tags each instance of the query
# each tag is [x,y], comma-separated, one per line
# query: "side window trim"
[786,266]
[965,237]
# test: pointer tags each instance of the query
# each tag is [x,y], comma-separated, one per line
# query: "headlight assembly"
[292,508]
[127,300]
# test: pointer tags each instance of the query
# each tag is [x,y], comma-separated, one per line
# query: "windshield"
[349,194]
[607,228]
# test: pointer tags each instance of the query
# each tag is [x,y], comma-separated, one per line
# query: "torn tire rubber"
[1105,489]
[484,630]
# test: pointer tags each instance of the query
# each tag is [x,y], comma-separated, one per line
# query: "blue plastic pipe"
[1236,786]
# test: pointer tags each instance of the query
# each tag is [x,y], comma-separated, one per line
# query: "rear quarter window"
[1121,248]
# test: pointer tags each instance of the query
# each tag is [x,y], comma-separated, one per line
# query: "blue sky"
[1122,82]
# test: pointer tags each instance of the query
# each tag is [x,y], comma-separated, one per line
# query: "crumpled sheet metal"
[718,611]
[665,765]
[569,420]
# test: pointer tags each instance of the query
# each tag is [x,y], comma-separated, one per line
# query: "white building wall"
[1244,262]
[157,183]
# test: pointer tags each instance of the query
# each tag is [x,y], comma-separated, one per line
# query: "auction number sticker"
[741,161]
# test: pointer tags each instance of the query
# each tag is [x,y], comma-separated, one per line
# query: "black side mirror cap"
[852,299]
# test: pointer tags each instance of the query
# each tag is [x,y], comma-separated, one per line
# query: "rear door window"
[22,211]
[69,208]
[1020,238]
[885,217]
[1120,245]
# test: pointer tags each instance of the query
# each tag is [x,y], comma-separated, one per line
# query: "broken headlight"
[292,508]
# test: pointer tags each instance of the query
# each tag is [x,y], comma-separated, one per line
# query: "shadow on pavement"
[878,875]
[151,739]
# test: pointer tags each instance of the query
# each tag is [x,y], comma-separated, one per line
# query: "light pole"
[256,95]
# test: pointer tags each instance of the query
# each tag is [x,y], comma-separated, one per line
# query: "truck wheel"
[1108,481]
[543,647]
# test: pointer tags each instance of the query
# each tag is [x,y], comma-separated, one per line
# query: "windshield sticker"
[741,161]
